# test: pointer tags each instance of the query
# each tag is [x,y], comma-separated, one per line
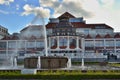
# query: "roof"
[6,38]
[82,25]
[107,36]
[66,14]
[117,35]
[88,36]
[51,25]
[79,25]
[15,38]
[99,26]
[98,36]
[31,26]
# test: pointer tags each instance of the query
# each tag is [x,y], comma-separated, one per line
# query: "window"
[89,43]
[12,44]
[3,45]
[63,42]
[40,44]
[53,42]
[72,42]
[86,31]
[109,43]
[21,44]
[118,43]
[99,43]
[30,44]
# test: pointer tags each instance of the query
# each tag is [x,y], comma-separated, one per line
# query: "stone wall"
[53,62]
[49,62]
[30,62]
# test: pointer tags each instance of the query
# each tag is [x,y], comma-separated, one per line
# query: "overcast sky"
[16,14]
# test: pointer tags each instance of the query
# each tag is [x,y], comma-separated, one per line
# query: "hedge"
[65,77]
[62,74]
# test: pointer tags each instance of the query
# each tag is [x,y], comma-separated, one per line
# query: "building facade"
[68,36]
[3,31]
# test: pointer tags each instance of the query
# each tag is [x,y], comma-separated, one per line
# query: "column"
[58,42]
[39,62]
[83,52]
[114,46]
[16,47]
[77,43]
[7,49]
[68,43]
[94,43]
[104,44]
[25,46]
[49,42]
[35,45]
[83,46]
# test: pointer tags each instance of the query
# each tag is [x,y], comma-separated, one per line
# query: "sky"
[17,14]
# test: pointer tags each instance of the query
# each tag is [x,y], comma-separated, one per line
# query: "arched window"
[63,41]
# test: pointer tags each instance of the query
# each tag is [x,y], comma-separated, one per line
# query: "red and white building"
[67,35]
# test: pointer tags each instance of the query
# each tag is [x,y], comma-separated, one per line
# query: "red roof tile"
[6,38]
[32,37]
[82,25]
[99,26]
[79,25]
[117,35]
[88,36]
[98,36]
[66,14]
[107,36]
[14,38]
[32,27]
[50,25]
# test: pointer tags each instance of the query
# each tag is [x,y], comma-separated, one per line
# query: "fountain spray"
[38,16]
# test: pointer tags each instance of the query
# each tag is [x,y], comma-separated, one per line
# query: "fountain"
[29,70]
[15,62]
[82,65]
[39,63]
[69,63]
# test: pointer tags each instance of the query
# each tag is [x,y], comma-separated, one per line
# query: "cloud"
[94,11]
[103,13]
[6,2]
[49,3]
[4,12]
[25,0]
[43,12]
[107,2]
[72,6]
[17,6]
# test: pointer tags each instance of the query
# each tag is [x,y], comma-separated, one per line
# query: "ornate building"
[65,35]
[68,36]
[3,32]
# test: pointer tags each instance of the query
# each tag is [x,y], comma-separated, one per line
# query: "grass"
[62,74]
[114,64]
